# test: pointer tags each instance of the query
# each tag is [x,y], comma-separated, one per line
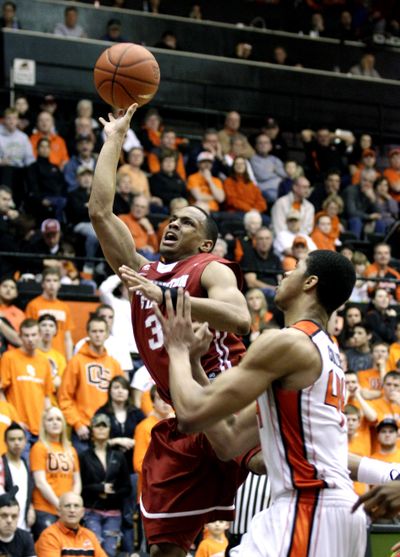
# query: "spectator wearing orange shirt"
[8,295]
[85,382]
[206,191]
[140,227]
[47,331]
[55,467]
[371,379]
[241,194]
[367,413]
[380,268]
[394,351]
[387,432]
[356,442]
[58,149]
[392,173]
[167,141]
[8,414]
[321,235]
[26,379]
[258,308]
[333,207]
[216,541]
[388,405]
[368,161]
[48,302]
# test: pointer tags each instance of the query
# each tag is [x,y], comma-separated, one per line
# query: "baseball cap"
[50,226]
[394,151]
[100,419]
[49,99]
[293,215]
[368,152]
[387,422]
[299,241]
[271,123]
[205,156]
[83,170]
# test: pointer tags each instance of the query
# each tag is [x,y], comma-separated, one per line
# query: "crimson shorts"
[185,485]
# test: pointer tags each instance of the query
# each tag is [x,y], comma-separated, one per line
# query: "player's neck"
[388,450]
[300,312]
[217,537]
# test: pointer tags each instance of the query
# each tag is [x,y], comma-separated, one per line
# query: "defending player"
[184,483]
[296,376]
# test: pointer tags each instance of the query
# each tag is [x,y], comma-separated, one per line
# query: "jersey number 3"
[157,337]
[334,392]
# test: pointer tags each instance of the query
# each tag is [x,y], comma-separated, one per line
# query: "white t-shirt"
[20,478]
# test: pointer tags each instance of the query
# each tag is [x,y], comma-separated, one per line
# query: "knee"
[166,550]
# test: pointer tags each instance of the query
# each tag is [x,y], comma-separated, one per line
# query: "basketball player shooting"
[295,376]
[185,484]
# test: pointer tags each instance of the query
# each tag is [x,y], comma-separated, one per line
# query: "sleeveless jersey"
[225,350]
[303,433]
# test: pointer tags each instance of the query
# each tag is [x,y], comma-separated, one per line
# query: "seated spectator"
[8,295]
[46,185]
[262,268]
[231,128]
[47,241]
[279,145]
[387,433]
[371,379]
[295,200]
[361,210]
[299,251]
[332,207]
[17,473]
[359,355]
[48,302]
[293,170]
[322,233]
[45,129]
[168,41]
[123,195]
[215,541]
[26,379]
[13,540]
[114,32]
[211,143]
[77,210]
[83,127]
[392,173]
[268,169]
[352,316]
[84,158]
[386,205]
[283,241]
[9,231]
[380,268]
[49,104]
[47,331]
[150,133]
[260,316]
[252,222]
[167,141]
[175,205]
[140,227]
[331,186]
[55,468]
[243,51]
[8,17]
[85,382]
[25,115]
[241,194]
[364,141]
[15,153]
[382,318]
[368,161]
[70,27]
[206,191]
[360,290]
[84,109]
[317,25]
[238,147]
[105,484]
[345,30]
[139,180]
[394,351]
[388,405]
[195,12]
[68,532]
[280,56]
[366,66]
[166,184]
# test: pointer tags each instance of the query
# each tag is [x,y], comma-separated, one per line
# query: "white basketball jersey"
[303,433]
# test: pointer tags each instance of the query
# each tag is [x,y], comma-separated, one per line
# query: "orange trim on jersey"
[306,505]
[308,327]
[289,412]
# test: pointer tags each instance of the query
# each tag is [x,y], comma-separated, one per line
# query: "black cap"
[387,422]
[7,498]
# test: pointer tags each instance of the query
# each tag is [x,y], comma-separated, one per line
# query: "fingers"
[187,307]
[180,306]
[168,305]
[102,121]
[131,110]
[159,316]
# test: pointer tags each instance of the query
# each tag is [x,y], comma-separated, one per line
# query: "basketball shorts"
[185,485]
[306,526]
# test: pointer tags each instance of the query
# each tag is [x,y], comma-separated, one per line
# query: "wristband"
[376,472]
[173,292]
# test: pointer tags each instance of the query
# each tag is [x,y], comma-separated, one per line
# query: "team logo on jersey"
[30,370]
[98,376]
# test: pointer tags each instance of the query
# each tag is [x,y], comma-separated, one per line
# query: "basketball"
[126,73]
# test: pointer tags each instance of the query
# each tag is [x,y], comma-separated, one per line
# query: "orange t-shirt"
[54,539]
[197,181]
[142,441]
[140,182]
[58,149]
[370,379]
[13,314]
[154,165]
[323,241]
[26,381]
[139,234]
[394,356]
[60,310]
[210,547]
[393,177]
[243,196]
[388,457]
[146,404]
[59,464]
[360,445]
[8,414]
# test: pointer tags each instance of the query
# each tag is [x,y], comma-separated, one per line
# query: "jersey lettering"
[334,392]
[157,340]
[98,376]
[58,462]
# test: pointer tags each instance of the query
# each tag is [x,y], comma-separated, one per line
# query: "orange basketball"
[126,73]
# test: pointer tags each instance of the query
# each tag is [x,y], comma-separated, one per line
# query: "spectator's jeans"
[43,520]
[356,225]
[91,243]
[79,446]
[107,530]
[129,506]
[30,440]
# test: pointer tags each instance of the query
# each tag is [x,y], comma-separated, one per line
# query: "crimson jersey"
[225,350]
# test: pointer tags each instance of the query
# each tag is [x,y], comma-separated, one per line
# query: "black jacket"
[167,187]
[45,178]
[94,477]
[77,210]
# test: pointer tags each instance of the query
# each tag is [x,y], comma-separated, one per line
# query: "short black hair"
[48,317]
[95,319]
[14,426]
[391,374]
[336,277]
[5,188]
[70,9]
[210,226]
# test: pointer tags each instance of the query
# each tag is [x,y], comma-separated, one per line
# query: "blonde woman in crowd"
[260,316]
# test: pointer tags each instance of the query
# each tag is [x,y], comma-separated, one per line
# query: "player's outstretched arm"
[114,237]
[382,501]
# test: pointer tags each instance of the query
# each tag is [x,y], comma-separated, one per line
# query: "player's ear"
[310,282]
[206,246]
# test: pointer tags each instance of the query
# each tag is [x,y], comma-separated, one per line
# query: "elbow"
[188,424]
[244,326]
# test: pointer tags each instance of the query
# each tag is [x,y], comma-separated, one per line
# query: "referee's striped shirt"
[252,497]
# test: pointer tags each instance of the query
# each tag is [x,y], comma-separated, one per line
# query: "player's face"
[47,329]
[8,291]
[51,285]
[30,338]
[353,423]
[184,235]
[8,520]
[53,424]
[290,286]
